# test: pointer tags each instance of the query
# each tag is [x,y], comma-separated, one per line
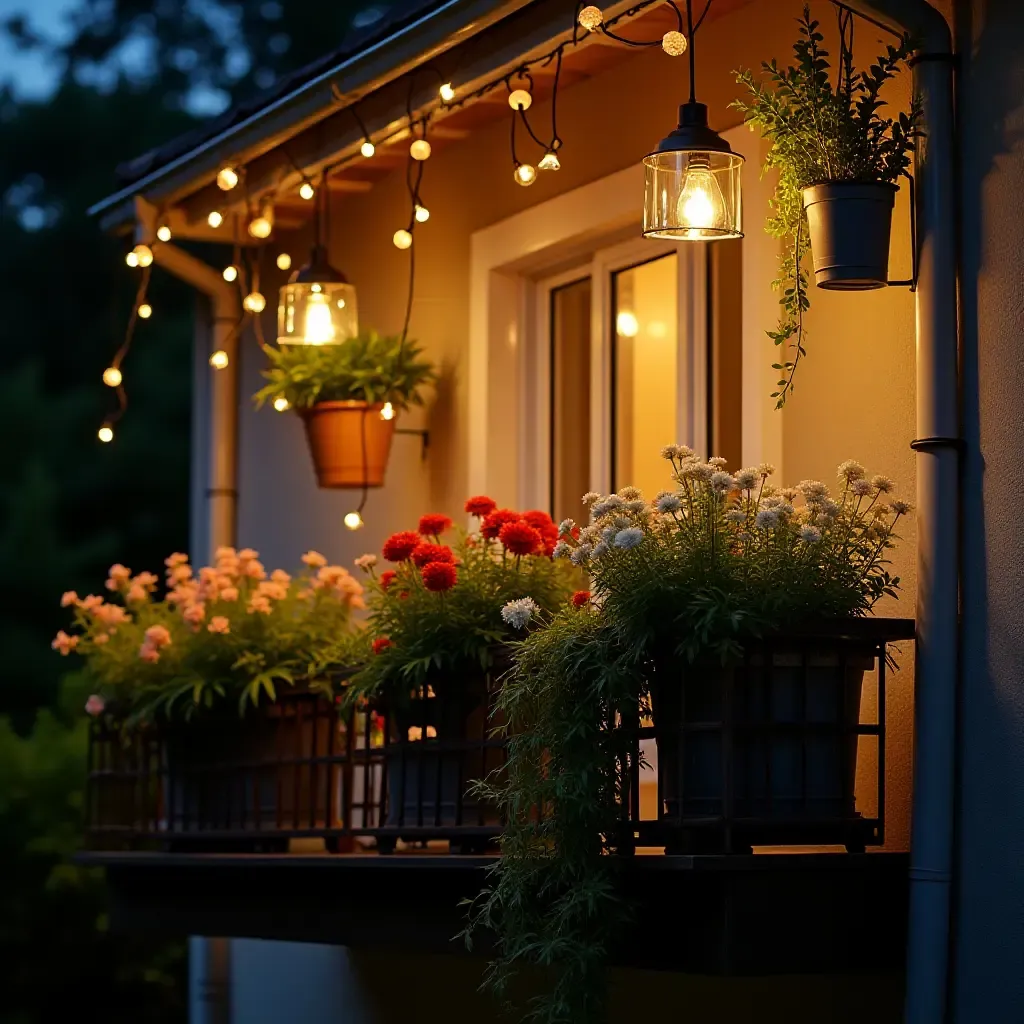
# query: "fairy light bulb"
[145,311]
[230,273]
[262,224]
[520,99]
[422,214]
[163,233]
[219,360]
[227,178]
[131,259]
[701,204]
[353,520]
[367,149]
[254,302]
[674,44]
[402,238]
[591,18]
[284,261]
[112,377]
[282,404]
[525,174]
[215,218]
[306,190]
[447,92]
[388,412]
[319,329]
[549,162]
[105,433]
[143,254]
[420,149]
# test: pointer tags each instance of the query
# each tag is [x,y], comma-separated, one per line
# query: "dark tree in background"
[134,74]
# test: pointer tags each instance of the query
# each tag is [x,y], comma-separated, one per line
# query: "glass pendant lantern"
[692,180]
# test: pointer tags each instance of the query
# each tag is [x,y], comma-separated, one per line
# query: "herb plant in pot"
[348,395]
[437,647]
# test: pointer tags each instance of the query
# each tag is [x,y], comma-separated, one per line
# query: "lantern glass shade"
[693,195]
[317,313]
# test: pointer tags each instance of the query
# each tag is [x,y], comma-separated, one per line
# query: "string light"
[227,178]
[447,92]
[284,261]
[525,174]
[131,259]
[143,254]
[549,162]
[145,311]
[215,218]
[219,360]
[674,43]
[112,377]
[105,433]
[402,238]
[262,224]
[422,214]
[163,233]
[230,272]
[420,150]
[388,412]
[306,190]
[520,99]
[282,404]
[254,302]
[367,149]
[353,520]
[590,18]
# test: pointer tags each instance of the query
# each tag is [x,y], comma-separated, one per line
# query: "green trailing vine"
[821,130]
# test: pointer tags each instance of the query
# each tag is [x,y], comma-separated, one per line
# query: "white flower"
[590,535]
[366,562]
[608,534]
[767,518]
[789,493]
[606,505]
[850,470]
[882,484]
[722,482]
[590,497]
[581,554]
[600,549]
[562,550]
[747,479]
[695,469]
[668,502]
[636,506]
[629,538]
[771,501]
[718,462]
[668,452]
[630,493]
[901,508]
[565,527]
[810,534]
[829,509]
[766,469]
[813,490]
[735,515]
[862,488]
[518,613]
[621,522]
[677,451]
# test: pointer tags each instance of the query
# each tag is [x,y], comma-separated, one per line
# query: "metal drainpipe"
[938,449]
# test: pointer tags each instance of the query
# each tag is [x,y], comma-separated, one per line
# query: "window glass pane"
[570,398]
[644,378]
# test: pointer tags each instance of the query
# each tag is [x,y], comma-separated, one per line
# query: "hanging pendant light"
[692,180]
[318,305]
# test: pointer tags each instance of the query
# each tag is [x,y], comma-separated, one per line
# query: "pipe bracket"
[926,444]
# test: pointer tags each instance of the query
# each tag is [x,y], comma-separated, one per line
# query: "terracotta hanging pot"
[349,442]
[850,224]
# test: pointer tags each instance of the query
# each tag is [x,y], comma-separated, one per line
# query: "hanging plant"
[348,396]
[839,160]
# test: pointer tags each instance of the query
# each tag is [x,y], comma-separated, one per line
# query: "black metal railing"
[771,750]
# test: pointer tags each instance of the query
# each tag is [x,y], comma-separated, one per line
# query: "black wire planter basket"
[766,750]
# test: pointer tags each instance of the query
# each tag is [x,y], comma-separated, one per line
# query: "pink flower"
[94,705]
[147,580]
[280,576]
[111,615]
[275,591]
[176,559]
[69,597]
[64,643]
[229,594]
[248,555]
[219,624]
[184,593]
[136,594]
[158,636]
[100,639]
[305,594]
[259,604]
[224,553]
[194,614]
[148,653]
[314,559]
[90,602]
[254,570]
[179,574]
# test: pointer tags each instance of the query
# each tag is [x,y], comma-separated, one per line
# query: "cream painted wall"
[856,390]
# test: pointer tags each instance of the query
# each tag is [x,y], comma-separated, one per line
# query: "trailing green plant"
[821,129]
[694,574]
[228,631]
[370,368]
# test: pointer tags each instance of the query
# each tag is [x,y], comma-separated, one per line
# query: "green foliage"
[370,368]
[821,131]
[696,573]
[229,634]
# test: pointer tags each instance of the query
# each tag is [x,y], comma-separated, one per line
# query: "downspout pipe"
[938,449]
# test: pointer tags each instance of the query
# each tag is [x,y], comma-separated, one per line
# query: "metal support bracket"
[912,282]
[925,444]
[423,434]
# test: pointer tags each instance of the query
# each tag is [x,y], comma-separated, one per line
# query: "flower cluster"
[215,628]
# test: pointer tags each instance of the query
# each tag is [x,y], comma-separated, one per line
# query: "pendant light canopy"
[692,180]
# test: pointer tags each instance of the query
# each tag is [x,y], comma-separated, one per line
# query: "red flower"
[494,521]
[540,520]
[425,553]
[381,644]
[581,598]
[439,576]
[520,538]
[433,524]
[399,546]
[480,506]
[387,577]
